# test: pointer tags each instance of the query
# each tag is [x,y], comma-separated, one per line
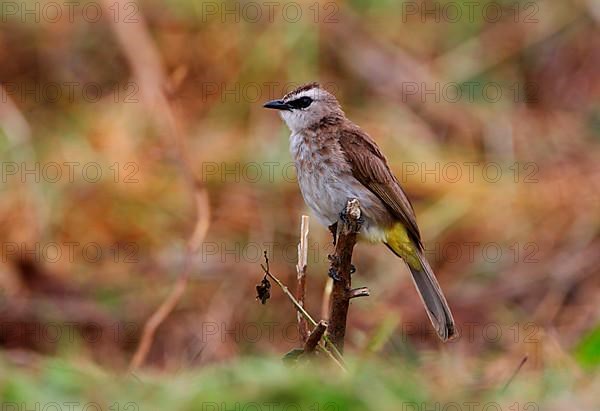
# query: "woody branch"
[341,270]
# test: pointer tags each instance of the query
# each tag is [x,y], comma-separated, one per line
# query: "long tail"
[429,290]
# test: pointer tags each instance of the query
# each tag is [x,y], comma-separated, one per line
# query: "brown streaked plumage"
[370,167]
[336,161]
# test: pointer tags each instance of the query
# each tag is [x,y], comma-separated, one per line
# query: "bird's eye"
[302,102]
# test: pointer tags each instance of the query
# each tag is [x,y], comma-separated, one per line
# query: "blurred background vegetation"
[129,128]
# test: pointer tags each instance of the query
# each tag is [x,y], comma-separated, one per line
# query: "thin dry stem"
[514,374]
[359,292]
[301,276]
[315,336]
[326,299]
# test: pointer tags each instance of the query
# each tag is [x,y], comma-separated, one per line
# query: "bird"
[337,161]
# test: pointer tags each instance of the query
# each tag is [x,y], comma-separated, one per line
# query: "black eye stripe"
[301,102]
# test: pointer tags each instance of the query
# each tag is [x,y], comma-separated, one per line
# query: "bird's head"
[306,106]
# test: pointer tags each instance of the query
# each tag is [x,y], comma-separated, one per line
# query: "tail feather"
[433,298]
[424,279]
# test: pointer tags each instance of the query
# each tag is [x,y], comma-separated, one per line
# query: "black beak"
[277,105]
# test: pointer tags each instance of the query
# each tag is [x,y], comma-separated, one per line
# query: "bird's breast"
[327,183]
[322,174]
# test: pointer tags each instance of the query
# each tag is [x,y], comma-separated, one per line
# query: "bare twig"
[359,292]
[301,276]
[341,268]
[512,377]
[337,358]
[315,336]
[326,300]
[286,290]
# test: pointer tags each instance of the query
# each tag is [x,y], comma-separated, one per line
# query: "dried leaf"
[263,290]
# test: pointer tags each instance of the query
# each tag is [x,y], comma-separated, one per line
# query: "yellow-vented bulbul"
[337,161]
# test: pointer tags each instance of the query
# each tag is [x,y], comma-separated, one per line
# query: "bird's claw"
[334,274]
[333,230]
[344,219]
[333,269]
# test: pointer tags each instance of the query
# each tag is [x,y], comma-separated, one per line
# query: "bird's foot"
[334,274]
[344,219]
[333,229]
[333,271]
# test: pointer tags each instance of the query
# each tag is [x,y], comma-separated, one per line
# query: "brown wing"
[369,166]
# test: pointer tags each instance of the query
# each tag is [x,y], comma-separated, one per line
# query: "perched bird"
[337,161]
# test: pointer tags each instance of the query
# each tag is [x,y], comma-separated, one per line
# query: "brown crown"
[304,87]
